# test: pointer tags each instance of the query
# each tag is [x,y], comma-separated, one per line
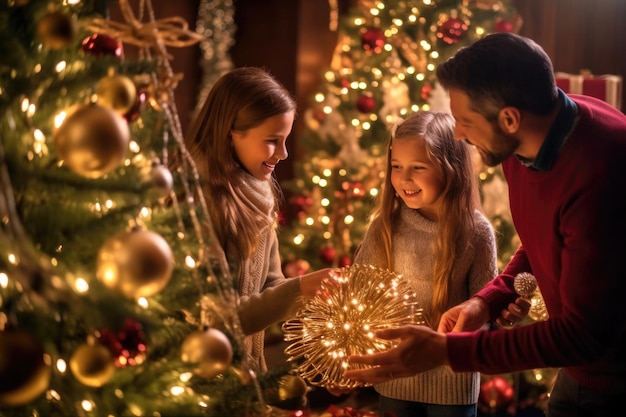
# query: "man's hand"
[420,348]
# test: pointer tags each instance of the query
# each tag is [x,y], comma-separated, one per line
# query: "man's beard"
[504,146]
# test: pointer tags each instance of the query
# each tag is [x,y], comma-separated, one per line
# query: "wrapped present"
[605,87]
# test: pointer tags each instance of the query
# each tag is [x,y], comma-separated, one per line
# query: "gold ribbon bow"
[156,34]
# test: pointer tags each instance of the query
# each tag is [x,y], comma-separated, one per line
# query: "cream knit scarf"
[256,194]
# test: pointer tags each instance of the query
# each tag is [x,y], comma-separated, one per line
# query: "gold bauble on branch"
[56,29]
[138,263]
[24,373]
[339,322]
[92,364]
[92,141]
[117,92]
[291,386]
[210,350]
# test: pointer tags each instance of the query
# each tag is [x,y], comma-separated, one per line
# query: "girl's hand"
[514,313]
[311,284]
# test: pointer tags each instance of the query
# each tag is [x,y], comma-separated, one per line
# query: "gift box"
[605,87]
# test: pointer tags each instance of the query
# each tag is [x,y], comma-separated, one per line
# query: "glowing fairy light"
[81,285]
[143,302]
[61,366]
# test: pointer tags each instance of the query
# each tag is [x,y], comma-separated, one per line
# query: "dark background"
[291,38]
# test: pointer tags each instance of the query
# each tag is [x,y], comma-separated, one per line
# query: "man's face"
[492,144]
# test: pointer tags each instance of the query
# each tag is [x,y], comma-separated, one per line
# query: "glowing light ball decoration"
[340,322]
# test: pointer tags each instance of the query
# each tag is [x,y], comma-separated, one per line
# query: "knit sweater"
[571,220]
[413,257]
[266,296]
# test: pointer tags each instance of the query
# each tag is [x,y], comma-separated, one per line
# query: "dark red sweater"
[571,220]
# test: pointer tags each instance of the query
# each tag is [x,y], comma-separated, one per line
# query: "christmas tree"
[115,298]
[382,69]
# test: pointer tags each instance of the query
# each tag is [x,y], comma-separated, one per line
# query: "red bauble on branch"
[99,44]
[496,393]
[505,26]
[365,103]
[452,30]
[373,40]
[327,254]
[344,261]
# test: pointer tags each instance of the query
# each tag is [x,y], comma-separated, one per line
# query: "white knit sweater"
[413,240]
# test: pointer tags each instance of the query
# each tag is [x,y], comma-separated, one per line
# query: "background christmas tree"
[115,299]
[382,69]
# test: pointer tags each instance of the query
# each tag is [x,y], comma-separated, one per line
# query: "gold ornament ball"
[92,365]
[117,92]
[24,375]
[56,29]
[137,264]
[92,141]
[291,386]
[210,350]
[525,284]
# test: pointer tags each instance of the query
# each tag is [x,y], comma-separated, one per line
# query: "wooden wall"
[578,34]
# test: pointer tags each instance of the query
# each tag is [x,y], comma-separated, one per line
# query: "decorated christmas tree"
[382,69]
[115,298]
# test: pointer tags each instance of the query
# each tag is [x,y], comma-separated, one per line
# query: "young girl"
[427,226]
[236,141]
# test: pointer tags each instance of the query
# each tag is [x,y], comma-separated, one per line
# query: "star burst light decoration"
[340,322]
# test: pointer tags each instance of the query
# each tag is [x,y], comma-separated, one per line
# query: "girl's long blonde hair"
[460,198]
[240,100]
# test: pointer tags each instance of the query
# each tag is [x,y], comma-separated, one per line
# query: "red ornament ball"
[327,254]
[300,203]
[425,91]
[505,26]
[128,347]
[344,261]
[373,40]
[98,45]
[366,103]
[452,30]
[496,393]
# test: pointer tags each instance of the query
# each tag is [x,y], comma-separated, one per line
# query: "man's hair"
[499,70]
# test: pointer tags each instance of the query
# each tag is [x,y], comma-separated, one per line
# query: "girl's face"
[259,149]
[415,178]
